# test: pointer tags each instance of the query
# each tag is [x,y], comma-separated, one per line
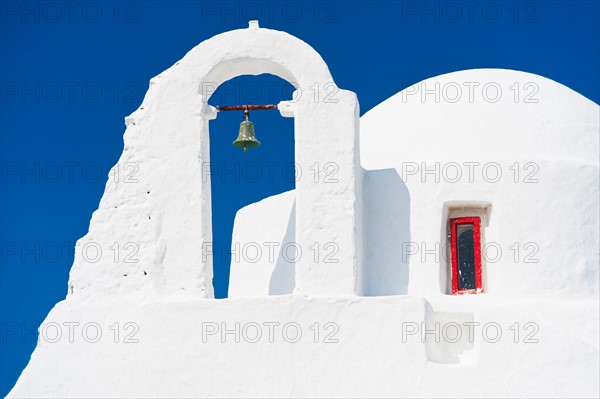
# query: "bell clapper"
[246,116]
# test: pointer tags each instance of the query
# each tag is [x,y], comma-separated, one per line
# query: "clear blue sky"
[71,73]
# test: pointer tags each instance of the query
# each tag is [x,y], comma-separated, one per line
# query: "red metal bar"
[247,107]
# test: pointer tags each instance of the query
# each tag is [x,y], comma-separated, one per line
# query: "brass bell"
[246,139]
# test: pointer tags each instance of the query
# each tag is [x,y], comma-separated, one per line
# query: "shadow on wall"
[388,229]
[283,278]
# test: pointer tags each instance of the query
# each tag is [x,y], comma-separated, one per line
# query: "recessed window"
[465,252]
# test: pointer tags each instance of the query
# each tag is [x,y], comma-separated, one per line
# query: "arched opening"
[168,137]
[237,179]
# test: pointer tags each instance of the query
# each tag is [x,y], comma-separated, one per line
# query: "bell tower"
[166,211]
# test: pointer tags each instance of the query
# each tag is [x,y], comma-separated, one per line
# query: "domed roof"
[481,114]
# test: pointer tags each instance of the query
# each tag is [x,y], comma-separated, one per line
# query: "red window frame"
[454,223]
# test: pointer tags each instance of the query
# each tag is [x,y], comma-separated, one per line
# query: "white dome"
[482,114]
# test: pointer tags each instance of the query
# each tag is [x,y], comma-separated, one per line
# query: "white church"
[448,248]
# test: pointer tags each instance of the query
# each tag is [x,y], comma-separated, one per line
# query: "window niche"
[463,270]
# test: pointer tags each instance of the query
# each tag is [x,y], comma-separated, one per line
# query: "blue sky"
[70,73]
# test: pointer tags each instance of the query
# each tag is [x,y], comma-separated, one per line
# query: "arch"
[168,138]
[254,51]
